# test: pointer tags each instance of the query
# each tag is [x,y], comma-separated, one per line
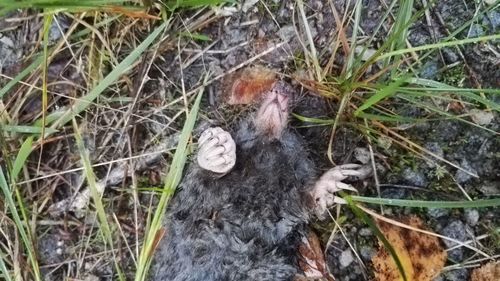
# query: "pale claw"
[217,151]
[331,182]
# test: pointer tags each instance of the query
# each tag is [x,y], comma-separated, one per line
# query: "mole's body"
[243,218]
[244,225]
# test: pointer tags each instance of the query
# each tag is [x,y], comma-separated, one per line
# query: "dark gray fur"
[245,225]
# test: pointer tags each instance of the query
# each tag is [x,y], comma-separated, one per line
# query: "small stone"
[437,212]
[362,155]
[490,188]
[7,52]
[384,142]
[366,231]
[457,275]
[346,258]
[91,277]
[471,216]
[494,18]
[415,178]
[261,33]
[461,176]
[456,230]
[436,149]
[429,70]
[248,5]
[393,193]
[490,2]
[286,33]
[367,253]
[476,30]
[481,117]
[450,55]
[367,52]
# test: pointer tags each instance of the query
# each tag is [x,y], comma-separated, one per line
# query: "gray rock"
[435,148]
[437,212]
[450,55]
[461,176]
[476,30]
[471,216]
[59,24]
[286,33]
[248,4]
[419,35]
[461,274]
[8,54]
[429,70]
[365,231]
[362,154]
[490,188]
[346,258]
[415,178]
[456,230]
[494,19]
[394,193]
[367,253]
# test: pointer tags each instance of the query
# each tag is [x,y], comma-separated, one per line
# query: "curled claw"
[217,151]
[331,182]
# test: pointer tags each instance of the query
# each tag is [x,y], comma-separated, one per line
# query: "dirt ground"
[143,111]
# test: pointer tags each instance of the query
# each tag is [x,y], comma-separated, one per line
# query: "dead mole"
[244,204]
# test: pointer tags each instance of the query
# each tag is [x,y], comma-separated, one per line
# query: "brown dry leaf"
[247,85]
[311,259]
[421,255]
[487,272]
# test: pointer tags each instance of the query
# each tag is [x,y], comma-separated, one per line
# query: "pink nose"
[281,100]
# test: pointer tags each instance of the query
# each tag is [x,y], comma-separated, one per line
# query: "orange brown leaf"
[487,272]
[421,255]
[247,86]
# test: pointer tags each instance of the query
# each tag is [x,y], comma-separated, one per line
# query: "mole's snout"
[272,116]
[281,101]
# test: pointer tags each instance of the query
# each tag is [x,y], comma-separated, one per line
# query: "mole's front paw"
[331,182]
[217,150]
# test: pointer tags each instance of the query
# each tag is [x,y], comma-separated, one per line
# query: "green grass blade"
[375,33]
[171,181]
[25,236]
[428,204]
[389,118]
[21,157]
[350,66]
[381,94]
[45,68]
[26,129]
[439,45]
[84,102]
[21,75]
[58,3]
[96,194]
[193,3]
[401,25]
[314,120]
[434,86]
[3,268]
[435,109]
[195,36]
